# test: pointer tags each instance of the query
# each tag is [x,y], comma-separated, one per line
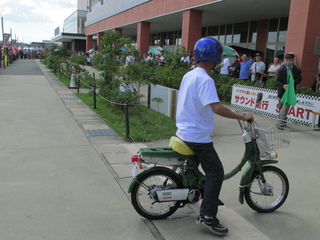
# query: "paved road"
[58,181]
[53,182]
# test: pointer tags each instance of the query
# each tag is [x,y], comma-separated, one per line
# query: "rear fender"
[136,179]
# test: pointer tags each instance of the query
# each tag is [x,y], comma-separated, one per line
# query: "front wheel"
[143,195]
[268,196]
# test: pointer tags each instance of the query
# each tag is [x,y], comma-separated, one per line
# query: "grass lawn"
[145,124]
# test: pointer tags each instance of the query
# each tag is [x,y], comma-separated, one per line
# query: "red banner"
[6,38]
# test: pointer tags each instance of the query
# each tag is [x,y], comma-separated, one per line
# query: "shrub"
[308,91]
[80,59]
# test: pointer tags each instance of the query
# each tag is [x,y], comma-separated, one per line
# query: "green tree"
[108,62]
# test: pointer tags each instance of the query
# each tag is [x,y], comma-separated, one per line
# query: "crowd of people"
[6,56]
[21,54]
[159,58]
[246,67]
[30,54]
[250,68]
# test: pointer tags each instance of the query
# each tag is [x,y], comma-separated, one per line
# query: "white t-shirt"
[129,59]
[185,59]
[194,117]
[257,67]
[126,88]
[226,65]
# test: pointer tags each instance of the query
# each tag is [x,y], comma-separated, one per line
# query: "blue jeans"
[210,162]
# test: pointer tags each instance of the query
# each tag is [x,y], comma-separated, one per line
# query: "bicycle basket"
[270,136]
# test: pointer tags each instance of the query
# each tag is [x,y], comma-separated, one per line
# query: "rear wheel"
[143,195]
[269,196]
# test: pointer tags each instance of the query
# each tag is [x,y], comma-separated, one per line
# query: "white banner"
[244,97]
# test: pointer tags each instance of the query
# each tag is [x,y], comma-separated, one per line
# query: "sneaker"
[213,224]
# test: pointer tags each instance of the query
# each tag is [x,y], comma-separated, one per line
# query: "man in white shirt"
[197,101]
[257,69]
[187,58]
[272,71]
[224,71]
[129,92]
[129,59]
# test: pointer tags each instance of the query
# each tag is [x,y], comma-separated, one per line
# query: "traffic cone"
[73,81]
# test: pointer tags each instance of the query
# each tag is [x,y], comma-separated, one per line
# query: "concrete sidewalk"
[65,174]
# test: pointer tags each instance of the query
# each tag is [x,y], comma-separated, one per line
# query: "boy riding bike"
[197,102]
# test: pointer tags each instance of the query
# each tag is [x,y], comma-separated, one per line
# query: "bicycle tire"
[267,197]
[142,198]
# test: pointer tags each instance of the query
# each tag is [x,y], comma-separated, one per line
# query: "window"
[169,38]
[155,39]
[253,32]
[222,33]
[283,29]
[240,32]
[213,32]
[204,32]
[229,33]
[270,52]
[177,38]
[273,30]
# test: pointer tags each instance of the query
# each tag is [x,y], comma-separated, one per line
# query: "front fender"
[247,173]
[136,179]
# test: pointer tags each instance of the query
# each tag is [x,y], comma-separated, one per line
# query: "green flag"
[289,97]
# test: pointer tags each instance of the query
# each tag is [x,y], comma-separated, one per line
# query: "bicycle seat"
[179,146]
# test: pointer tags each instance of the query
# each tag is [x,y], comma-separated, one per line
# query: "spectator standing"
[24,53]
[225,64]
[282,81]
[234,69]
[126,87]
[188,58]
[150,57]
[162,59]
[129,59]
[274,67]
[144,56]
[257,69]
[88,60]
[251,58]
[245,66]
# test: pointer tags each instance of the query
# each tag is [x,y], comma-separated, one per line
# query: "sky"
[34,20]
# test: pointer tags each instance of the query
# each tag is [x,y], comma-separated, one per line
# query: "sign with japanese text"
[245,97]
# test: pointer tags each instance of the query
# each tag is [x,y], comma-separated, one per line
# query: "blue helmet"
[208,49]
